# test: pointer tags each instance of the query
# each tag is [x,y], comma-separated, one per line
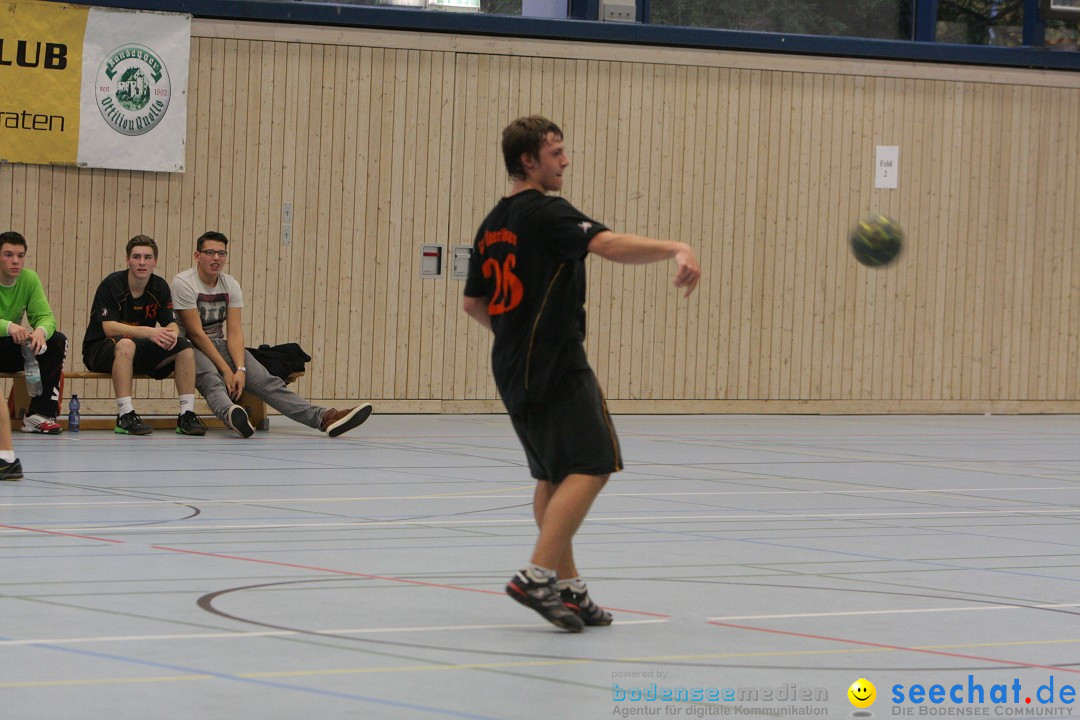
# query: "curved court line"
[206,602]
[351,573]
[278,563]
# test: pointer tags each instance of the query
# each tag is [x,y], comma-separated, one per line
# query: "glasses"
[218,253]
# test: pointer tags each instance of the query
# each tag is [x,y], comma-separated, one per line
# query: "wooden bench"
[20,401]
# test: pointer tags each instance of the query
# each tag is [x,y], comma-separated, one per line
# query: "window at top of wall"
[886,19]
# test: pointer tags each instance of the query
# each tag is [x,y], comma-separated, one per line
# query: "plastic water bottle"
[33,371]
[73,414]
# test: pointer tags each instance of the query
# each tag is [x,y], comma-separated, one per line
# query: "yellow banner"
[41,53]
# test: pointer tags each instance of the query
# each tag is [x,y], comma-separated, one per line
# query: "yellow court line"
[525,664]
[759,517]
[487,492]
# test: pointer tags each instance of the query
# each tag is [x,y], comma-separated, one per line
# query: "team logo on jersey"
[585,226]
[133,89]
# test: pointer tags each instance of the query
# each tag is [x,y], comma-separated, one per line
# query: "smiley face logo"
[862,693]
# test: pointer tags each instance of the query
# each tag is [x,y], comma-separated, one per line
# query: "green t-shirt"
[26,296]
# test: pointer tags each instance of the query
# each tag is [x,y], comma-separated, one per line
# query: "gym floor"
[755,566]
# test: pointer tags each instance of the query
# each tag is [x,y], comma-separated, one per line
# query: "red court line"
[322,569]
[300,567]
[53,532]
[351,573]
[897,647]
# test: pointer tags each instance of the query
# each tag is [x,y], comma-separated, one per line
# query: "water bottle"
[73,414]
[33,371]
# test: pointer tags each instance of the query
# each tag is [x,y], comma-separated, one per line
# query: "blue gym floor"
[760,565]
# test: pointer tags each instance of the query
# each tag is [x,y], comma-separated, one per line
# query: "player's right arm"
[158,334]
[637,250]
[107,307]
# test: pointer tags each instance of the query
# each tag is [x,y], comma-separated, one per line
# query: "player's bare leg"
[559,510]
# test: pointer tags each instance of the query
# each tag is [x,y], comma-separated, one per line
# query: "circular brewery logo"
[133,89]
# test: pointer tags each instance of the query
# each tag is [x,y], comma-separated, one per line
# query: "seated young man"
[21,293]
[209,303]
[132,330]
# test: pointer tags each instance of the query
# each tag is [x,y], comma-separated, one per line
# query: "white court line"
[287,633]
[529,495]
[763,516]
[985,608]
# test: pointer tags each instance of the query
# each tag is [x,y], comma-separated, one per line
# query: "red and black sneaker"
[582,605]
[544,599]
[41,424]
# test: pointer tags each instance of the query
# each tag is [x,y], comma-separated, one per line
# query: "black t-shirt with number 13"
[113,301]
[529,262]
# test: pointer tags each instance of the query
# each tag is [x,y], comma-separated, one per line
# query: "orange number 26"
[508,287]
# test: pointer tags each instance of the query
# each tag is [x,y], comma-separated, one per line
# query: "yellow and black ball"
[876,240]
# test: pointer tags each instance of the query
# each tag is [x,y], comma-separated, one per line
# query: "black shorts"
[98,357]
[573,434]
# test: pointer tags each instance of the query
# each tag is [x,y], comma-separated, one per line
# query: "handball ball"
[876,240]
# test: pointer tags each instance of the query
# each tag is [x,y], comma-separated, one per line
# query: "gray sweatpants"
[260,383]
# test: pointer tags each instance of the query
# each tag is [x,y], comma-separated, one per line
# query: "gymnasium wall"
[383,141]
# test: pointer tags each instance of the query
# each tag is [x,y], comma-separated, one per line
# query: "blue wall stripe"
[583,30]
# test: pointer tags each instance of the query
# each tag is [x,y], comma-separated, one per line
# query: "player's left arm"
[633,249]
[234,340]
[477,309]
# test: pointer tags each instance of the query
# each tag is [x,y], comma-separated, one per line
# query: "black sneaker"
[189,424]
[237,418]
[131,424]
[11,470]
[544,599]
[582,605]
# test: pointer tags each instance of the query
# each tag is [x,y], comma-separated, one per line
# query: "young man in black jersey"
[132,330]
[526,283]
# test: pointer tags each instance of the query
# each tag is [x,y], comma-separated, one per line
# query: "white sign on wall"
[887,167]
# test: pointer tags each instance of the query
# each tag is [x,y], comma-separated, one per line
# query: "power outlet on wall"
[618,12]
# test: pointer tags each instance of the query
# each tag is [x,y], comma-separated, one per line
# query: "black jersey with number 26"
[529,262]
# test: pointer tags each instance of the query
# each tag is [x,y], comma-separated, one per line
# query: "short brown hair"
[212,235]
[141,241]
[12,238]
[525,136]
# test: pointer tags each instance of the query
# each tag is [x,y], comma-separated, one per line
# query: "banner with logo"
[92,86]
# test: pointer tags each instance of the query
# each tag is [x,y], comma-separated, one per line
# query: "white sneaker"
[41,424]
[237,418]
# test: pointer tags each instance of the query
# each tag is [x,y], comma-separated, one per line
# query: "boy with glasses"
[208,302]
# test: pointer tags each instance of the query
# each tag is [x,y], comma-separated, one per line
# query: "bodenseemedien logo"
[133,89]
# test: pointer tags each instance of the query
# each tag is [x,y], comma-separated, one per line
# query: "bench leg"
[256,410]
[18,400]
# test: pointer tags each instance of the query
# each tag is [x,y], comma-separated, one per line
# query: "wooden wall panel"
[381,142]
